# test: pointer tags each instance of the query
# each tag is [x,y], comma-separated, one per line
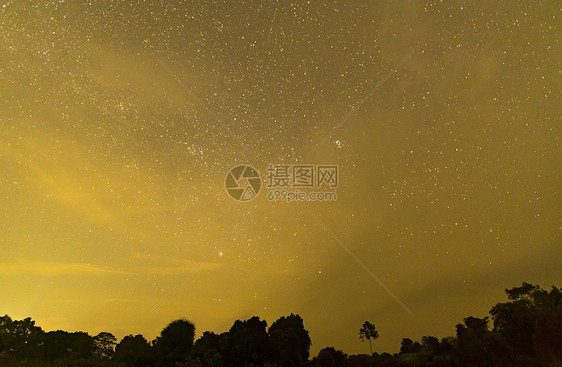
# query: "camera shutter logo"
[243,183]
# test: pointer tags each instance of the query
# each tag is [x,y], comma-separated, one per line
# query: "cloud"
[50,269]
[68,178]
[169,265]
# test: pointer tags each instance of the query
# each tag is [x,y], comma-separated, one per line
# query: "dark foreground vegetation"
[524,331]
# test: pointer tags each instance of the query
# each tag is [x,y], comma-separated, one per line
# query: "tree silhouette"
[531,321]
[409,346]
[207,349]
[174,343]
[473,342]
[527,332]
[104,345]
[246,343]
[548,332]
[368,331]
[330,357]
[19,337]
[134,351]
[289,341]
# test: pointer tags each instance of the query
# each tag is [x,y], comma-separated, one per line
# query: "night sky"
[120,120]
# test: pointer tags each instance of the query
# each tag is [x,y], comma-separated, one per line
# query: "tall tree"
[104,345]
[369,332]
[531,321]
[20,337]
[134,351]
[207,349]
[289,341]
[473,341]
[246,343]
[174,343]
[516,320]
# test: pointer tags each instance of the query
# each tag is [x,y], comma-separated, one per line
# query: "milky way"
[120,120]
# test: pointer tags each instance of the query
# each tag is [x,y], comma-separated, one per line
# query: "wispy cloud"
[165,265]
[49,269]
[69,184]
[68,178]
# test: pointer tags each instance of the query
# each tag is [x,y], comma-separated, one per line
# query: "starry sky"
[120,120]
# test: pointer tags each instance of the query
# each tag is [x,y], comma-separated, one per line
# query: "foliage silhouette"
[409,346]
[368,331]
[174,343]
[526,330]
[104,345]
[246,343]
[289,341]
[133,351]
[330,357]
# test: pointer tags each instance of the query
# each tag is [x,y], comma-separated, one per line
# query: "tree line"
[524,331]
